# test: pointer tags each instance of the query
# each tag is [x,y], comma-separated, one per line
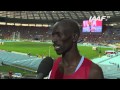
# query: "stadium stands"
[30,33]
[20,60]
[109,65]
[17,25]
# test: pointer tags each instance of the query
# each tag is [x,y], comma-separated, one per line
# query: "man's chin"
[59,53]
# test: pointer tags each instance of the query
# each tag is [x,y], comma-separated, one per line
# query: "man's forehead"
[61,27]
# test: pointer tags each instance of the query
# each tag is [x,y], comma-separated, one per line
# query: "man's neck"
[70,61]
[71,58]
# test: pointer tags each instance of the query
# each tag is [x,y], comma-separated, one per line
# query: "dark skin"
[65,42]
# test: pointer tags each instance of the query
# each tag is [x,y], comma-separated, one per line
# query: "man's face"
[62,39]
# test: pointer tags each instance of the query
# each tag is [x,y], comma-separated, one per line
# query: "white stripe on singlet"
[80,63]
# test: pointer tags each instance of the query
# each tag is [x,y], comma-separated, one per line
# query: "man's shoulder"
[95,67]
[96,71]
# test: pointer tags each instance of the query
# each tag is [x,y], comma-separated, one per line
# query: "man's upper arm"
[96,72]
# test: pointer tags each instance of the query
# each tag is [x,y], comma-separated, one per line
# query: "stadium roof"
[49,17]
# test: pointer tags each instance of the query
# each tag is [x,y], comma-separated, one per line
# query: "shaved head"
[68,24]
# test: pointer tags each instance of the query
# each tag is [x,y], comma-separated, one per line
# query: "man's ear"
[75,37]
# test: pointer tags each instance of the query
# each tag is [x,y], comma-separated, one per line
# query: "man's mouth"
[57,47]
